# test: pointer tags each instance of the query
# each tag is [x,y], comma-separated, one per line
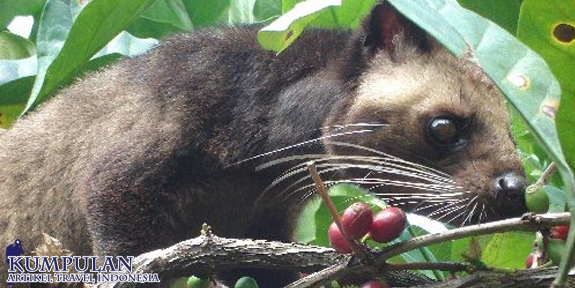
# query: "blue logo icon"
[14,250]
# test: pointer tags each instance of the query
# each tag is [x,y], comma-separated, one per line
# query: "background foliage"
[68,39]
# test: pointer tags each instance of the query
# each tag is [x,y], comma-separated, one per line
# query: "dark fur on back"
[119,156]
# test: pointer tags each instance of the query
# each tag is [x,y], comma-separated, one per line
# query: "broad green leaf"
[13,98]
[566,123]
[503,12]
[461,246]
[323,219]
[282,32]
[549,28]
[556,199]
[127,45]
[266,9]
[55,24]
[305,229]
[11,70]
[426,224]
[146,28]
[240,12]
[170,11]
[355,193]
[98,23]
[163,18]
[349,15]
[13,46]
[14,95]
[508,250]
[15,85]
[205,13]
[13,8]
[424,254]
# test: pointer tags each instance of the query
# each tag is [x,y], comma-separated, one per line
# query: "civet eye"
[447,133]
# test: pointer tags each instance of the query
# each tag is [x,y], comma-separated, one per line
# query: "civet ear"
[386,24]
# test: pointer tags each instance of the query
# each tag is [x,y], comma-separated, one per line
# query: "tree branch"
[208,254]
[529,222]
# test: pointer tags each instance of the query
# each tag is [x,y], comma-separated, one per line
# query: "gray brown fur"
[136,156]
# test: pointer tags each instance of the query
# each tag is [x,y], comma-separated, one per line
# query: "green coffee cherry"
[195,282]
[246,282]
[536,199]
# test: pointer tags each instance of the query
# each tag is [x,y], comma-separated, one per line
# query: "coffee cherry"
[388,224]
[537,200]
[356,220]
[246,282]
[337,240]
[374,284]
[195,282]
[529,261]
[560,232]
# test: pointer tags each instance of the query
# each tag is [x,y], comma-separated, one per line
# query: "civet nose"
[509,191]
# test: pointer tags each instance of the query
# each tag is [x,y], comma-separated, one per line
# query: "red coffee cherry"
[388,224]
[529,261]
[560,232]
[337,240]
[356,220]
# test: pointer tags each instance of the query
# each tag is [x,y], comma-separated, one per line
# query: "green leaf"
[549,28]
[127,45]
[13,8]
[266,9]
[283,31]
[306,230]
[163,18]
[97,24]
[556,199]
[13,46]
[349,15]
[170,11]
[240,12]
[146,28]
[508,250]
[14,95]
[11,70]
[205,13]
[217,12]
[55,24]
[566,123]
[503,12]
[461,247]
[243,12]
[13,98]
